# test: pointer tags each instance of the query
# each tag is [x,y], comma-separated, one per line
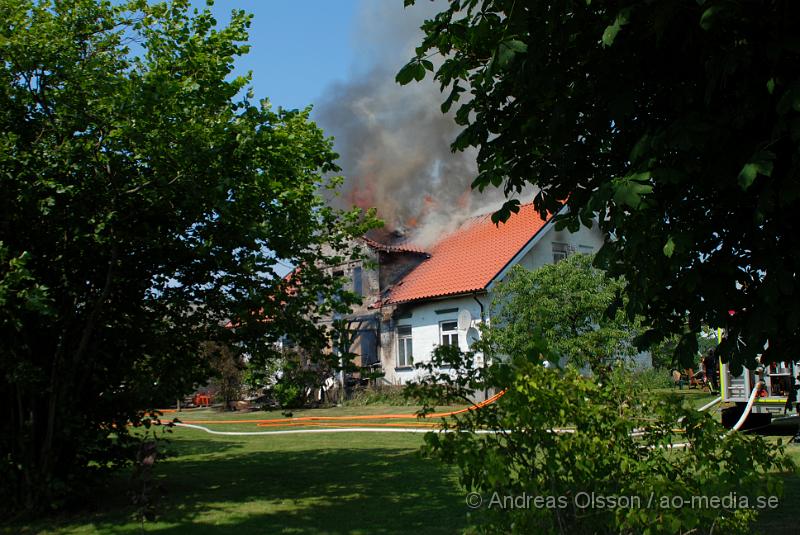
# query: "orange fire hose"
[320,420]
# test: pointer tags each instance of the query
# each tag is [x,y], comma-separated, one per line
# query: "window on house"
[449,333]
[368,341]
[405,352]
[560,252]
[358,286]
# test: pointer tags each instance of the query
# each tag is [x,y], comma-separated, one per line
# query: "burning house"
[442,254]
[415,298]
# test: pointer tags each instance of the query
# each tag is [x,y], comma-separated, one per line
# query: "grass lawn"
[348,483]
[312,483]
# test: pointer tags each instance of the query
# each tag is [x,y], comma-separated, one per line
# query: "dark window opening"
[358,285]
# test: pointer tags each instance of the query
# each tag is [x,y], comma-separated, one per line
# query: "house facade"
[423,308]
[415,299]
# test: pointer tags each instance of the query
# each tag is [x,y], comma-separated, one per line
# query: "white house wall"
[424,322]
[585,240]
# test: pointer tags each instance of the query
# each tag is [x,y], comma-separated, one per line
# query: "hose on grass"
[292,421]
[332,430]
[344,424]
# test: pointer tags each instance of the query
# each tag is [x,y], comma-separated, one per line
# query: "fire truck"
[775,386]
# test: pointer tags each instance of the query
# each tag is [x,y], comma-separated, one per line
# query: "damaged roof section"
[387,248]
[470,258]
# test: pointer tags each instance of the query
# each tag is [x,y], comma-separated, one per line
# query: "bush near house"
[601,452]
[569,303]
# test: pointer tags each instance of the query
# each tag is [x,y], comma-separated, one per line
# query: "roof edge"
[523,251]
[436,297]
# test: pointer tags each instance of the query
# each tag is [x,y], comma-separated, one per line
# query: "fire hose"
[345,424]
[322,420]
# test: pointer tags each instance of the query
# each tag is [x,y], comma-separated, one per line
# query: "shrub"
[379,395]
[566,438]
[652,379]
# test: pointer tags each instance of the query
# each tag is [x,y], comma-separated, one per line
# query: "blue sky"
[298,47]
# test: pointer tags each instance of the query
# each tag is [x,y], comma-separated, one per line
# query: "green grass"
[348,483]
[316,483]
[784,520]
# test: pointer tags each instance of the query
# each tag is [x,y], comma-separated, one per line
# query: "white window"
[405,352]
[448,333]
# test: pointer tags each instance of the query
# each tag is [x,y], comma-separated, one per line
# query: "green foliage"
[379,395]
[289,393]
[301,375]
[393,395]
[564,437]
[228,375]
[677,121]
[567,303]
[144,203]
[664,351]
[652,379]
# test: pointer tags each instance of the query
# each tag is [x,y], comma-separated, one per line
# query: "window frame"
[406,341]
[452,334]
[559,249]
[358,281]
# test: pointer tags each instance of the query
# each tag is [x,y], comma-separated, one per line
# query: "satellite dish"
[473,335]
[464,320]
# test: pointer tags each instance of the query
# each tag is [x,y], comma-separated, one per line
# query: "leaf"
[629,189]
[789,101]
[505,53]
[453,97]
[610,33]
[771,85]
[707,18]
[761,164]
[407,73]
[419,72]
[669,248]
[501,216]
[516,45]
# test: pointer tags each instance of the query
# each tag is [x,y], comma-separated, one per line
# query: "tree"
[677,121]
[145,202]
[566,303]
[228,371]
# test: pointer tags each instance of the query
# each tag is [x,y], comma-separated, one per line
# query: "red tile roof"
[468,259]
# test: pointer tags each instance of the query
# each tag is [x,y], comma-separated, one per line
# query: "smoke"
[394,140]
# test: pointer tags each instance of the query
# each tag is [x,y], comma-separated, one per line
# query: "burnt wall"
[394,265]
